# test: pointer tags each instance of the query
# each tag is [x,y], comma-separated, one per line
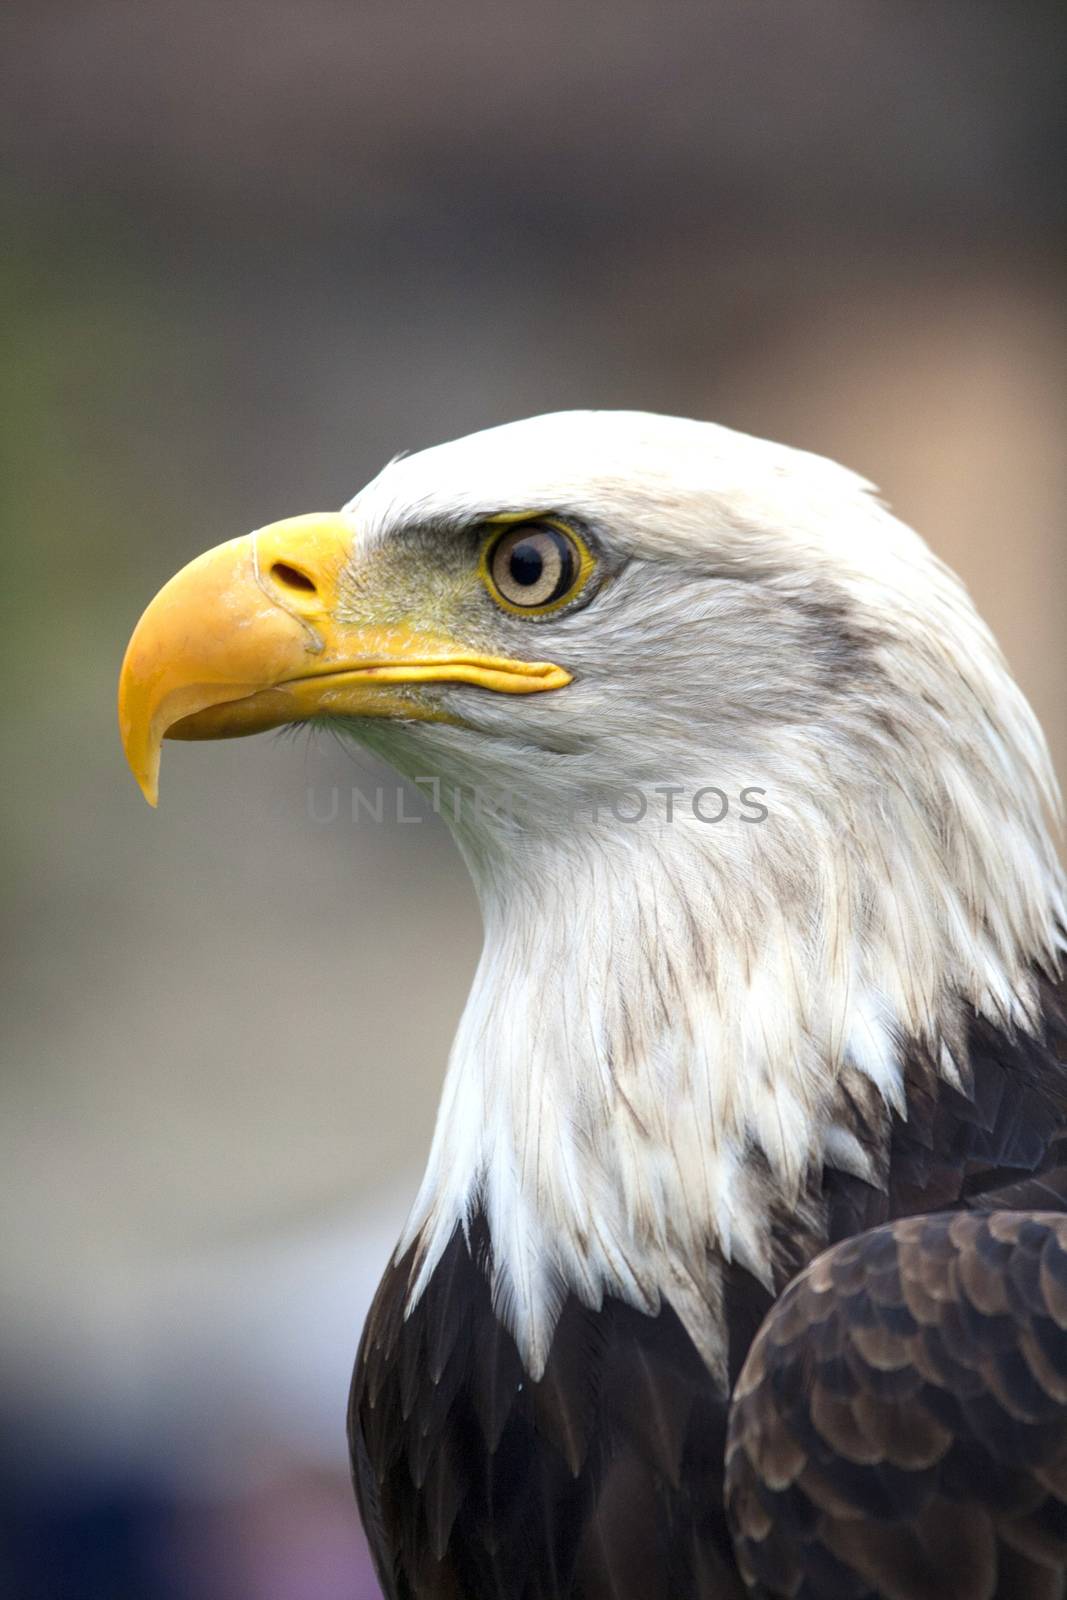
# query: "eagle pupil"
[526,564]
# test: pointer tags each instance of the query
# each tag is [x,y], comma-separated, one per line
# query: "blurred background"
[250,251]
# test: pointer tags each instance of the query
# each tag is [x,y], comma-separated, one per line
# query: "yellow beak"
[247,637]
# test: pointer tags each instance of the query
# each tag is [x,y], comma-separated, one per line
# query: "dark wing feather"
[899,1429]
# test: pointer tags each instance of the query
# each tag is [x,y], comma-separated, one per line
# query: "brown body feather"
[872,1452]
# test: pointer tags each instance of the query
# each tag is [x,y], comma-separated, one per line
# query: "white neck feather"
[650,1060]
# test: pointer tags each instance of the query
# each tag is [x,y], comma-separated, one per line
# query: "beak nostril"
[292,577]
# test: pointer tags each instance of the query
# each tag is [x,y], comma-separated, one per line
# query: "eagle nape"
[740,1260]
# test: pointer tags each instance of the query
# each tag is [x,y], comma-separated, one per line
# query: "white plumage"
[767,623]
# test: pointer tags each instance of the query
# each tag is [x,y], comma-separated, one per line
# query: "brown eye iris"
[534,565]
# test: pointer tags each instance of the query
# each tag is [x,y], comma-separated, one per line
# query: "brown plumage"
[605,1478]
[899,1427]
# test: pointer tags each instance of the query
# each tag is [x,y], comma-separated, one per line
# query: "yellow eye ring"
[536,566]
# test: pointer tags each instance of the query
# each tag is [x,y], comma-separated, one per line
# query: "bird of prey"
[740,1261]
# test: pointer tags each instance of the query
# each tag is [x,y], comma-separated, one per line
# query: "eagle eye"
[535,567]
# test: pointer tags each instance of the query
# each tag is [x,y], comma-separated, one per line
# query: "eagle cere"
[737,1266]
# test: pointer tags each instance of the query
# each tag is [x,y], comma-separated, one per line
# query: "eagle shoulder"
[900,1425]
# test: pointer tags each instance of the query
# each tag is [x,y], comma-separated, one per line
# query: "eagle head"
[754,809]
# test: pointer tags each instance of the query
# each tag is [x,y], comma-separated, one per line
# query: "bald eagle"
[740,1261]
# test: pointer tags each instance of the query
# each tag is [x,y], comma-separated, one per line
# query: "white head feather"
[654,1049]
